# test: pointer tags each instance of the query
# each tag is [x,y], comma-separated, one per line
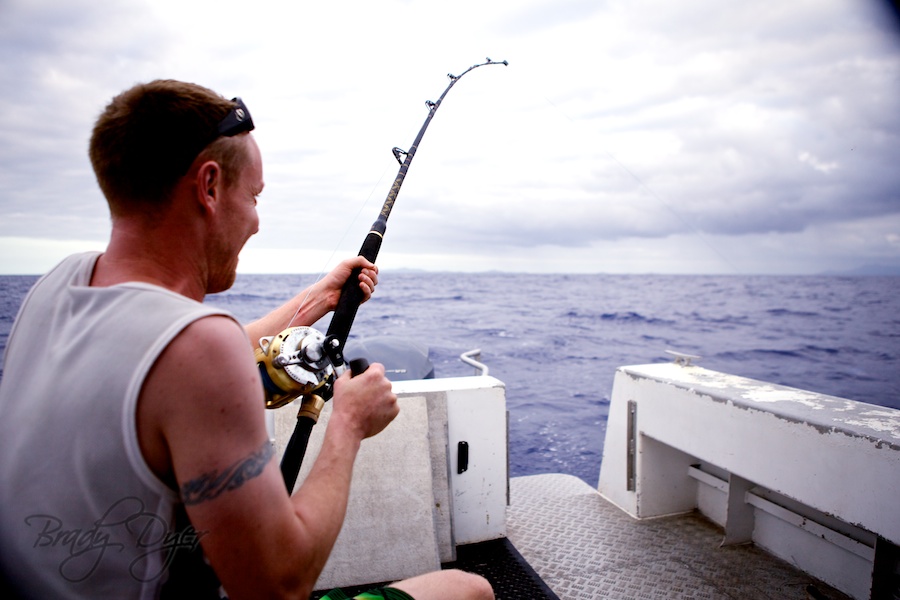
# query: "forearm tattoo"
[213,484]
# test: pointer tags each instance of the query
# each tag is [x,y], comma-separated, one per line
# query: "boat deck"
[585,548]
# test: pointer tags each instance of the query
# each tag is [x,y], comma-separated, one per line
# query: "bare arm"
[201,424]
[315,301]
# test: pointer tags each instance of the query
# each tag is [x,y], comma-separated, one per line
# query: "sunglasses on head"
[237,121]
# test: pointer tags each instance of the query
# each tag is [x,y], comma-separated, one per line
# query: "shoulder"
[206,372]
[215,327]
[209,354]
[203,399]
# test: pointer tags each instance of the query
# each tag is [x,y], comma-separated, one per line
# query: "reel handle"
[358,366]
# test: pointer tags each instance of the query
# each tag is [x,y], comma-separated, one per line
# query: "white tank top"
[81,513]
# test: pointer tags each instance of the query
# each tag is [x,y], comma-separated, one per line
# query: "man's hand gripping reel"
[301,362]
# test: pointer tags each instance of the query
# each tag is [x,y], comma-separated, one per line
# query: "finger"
[360,262]
[365,281]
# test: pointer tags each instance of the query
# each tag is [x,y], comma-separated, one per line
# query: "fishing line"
[337,246]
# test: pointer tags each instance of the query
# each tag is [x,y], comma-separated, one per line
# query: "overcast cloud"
[696,136]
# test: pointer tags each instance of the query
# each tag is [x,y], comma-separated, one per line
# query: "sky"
[624,136]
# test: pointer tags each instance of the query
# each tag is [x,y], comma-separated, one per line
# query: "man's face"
[238,219]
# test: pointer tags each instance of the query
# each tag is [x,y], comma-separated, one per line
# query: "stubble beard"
[223,279]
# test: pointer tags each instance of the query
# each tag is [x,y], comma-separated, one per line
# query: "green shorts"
[386,593]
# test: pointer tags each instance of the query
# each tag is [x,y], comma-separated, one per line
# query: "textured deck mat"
[509,573]
[586,548]
[498,562]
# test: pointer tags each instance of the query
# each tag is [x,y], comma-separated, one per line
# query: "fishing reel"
[299,361]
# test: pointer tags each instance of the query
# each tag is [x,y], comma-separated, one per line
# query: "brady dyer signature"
[145,538]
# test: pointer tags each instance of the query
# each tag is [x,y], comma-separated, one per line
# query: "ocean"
[556,340]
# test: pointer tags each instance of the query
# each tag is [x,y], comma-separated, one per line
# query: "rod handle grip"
[351,296]
[295,451]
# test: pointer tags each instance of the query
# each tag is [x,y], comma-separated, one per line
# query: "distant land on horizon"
[864,270]
[877,270]
[867,270]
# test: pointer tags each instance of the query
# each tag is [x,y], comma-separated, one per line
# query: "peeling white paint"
[885,421]
[772,394]
[877,425]
[823,412]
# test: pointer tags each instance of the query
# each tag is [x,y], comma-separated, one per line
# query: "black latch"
[462,457]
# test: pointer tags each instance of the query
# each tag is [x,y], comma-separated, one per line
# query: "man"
[124,398]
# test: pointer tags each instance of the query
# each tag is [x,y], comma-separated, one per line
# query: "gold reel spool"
[292,364]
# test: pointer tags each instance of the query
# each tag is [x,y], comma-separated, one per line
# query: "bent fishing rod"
[301,362]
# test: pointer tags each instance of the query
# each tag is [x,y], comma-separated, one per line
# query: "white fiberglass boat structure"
[711,486]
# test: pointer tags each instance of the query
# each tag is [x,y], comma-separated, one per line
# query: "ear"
[209,186]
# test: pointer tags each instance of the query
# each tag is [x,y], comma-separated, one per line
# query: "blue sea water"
[556,340]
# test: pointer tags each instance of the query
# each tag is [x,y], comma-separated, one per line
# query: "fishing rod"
[301,362]
[351,295]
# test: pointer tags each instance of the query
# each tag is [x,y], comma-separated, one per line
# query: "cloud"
[646,126]
[537,16]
